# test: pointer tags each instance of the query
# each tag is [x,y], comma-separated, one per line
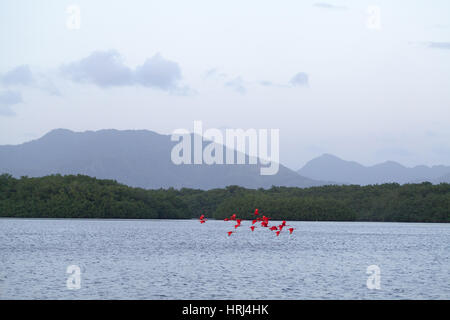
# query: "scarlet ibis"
[281,227]
[253,228]
[226,219]
[202,221]
[254,221]
[291,230]
[236,226]
[229,233]
[278,233]
[238,221]
[233,217]
[256,212]
[273,228]
[202,217]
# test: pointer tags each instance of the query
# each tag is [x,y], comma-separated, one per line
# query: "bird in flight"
[263,220]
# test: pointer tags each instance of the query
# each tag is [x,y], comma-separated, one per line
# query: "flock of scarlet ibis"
[263,221]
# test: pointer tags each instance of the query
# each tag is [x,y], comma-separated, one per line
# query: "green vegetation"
[81,196]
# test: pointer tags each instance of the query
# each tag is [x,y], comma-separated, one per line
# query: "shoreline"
[216,220]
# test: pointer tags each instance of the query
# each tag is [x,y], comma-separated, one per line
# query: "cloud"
[103,68]
[7,99]
[211,72]
[325,5]
[237,84]
[215,73]
[23,76]
[20,75]
[300,79]
[107,69]
[439,45]
[158,72]
[266,83]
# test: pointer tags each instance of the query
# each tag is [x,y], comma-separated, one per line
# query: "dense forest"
[81,196]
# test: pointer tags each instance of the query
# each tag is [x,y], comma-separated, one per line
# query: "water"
[182,259]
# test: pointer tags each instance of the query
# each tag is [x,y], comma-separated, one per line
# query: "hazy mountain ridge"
[138,158]
[329,167]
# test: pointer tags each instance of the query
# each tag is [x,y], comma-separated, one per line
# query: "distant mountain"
[331,168]
[137,158]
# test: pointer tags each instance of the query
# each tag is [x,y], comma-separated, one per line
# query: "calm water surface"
[182,259]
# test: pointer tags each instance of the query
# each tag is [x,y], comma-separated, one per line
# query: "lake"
[183,259]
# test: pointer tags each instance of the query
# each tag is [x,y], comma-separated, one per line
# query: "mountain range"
[141,158]
[137,158]
[332,168]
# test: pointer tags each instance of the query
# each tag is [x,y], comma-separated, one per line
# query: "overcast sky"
[325,73]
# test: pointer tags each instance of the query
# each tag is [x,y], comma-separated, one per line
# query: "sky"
[367,81]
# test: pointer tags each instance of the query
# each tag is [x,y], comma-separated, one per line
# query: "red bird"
[253,228]
[202,217]
[256,212]
[236,226]
[273,228]
[202,221]
[281,227]
[278,233]
[254,221]
[238,221]
[233,217]
[229,233]
[291,230]
[226,219]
